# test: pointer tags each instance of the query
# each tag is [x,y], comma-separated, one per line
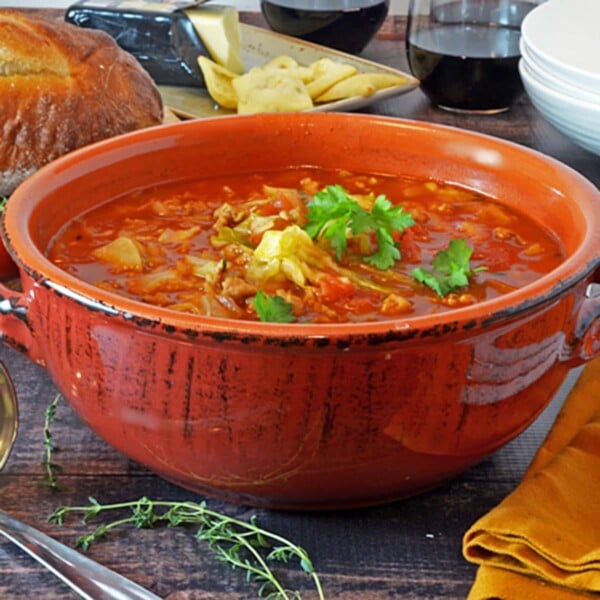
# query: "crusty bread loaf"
[62,87]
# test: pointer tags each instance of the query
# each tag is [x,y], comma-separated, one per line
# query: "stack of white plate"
[560,67]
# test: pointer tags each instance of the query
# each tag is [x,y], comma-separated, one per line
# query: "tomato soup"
[306,245]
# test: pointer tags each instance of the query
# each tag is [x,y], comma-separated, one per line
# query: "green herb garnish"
[333,213]
[3,201]
[241,544]
[272,309]
[50,467]
[451,269]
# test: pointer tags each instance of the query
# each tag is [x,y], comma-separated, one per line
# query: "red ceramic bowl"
[8,268]
[305,416]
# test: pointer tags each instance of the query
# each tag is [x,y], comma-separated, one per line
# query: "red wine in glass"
[347,25]
[468,63]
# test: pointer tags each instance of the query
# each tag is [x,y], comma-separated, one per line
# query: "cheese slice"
[219,30]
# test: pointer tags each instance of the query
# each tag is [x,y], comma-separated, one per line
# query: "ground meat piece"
[229,216]
[238,289]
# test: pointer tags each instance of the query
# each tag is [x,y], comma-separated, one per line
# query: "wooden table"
[406,550]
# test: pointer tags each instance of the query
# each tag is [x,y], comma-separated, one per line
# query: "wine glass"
[347,25]
[466,52]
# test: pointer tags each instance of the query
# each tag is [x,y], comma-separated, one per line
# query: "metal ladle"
[88,578]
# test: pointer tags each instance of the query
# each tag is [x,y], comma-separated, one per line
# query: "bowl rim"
[34,263]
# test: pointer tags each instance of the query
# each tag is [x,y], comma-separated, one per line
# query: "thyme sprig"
[241,544]
[51,469]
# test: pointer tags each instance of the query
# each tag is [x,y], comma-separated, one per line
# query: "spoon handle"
[88,578]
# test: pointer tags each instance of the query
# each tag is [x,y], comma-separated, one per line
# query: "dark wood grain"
[406,550]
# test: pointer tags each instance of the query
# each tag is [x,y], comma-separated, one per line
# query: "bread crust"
[62,87]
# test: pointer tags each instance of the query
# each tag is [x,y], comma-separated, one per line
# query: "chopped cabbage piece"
[122,252]
[209,270]
[157,281]
[288,254]
[255,224]
[169,236]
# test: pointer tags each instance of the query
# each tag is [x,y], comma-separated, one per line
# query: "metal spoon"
[88,578]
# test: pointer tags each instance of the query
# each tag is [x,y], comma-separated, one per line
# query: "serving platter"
[261,45]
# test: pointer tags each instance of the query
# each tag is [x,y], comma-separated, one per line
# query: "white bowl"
[563,36]
[577,119]
[550,79]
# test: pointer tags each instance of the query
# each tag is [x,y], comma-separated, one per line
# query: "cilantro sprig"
[334,214]
[272,309]
[451,269]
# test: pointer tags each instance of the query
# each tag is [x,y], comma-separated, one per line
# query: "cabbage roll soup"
[306,245]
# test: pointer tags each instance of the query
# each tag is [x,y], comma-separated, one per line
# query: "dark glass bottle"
[165,43]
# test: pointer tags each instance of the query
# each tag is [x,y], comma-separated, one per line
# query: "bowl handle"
[585,342]
[15,327]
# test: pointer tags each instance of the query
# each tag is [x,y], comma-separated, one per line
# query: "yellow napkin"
[543,540]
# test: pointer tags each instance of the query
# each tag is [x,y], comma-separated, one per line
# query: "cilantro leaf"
[433,281]
[390,218]
[451,269]
[336,234]
[333,213]
[388,252]
[272,309]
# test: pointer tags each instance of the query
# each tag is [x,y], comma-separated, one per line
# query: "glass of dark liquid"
[466,52]
[346,25]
